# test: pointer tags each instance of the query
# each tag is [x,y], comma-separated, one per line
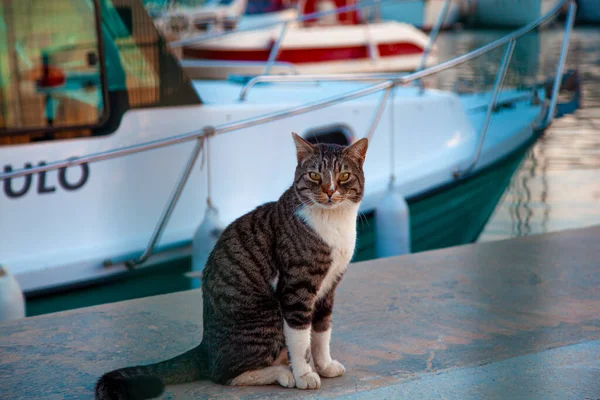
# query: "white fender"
[12,301]
[392,225]
[204,240]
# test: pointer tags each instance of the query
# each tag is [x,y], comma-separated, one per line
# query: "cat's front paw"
[334,369]
[310,380]
[286,378]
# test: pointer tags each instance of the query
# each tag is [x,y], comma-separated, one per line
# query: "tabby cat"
[268,286]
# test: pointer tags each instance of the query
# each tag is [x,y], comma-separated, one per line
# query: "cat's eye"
[344,176]
[314,176]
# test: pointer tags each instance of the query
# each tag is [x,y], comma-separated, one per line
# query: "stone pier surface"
[518,318]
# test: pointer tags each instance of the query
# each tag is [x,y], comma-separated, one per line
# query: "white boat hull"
[111,215]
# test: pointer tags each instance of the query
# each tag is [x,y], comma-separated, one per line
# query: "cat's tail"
[148,381]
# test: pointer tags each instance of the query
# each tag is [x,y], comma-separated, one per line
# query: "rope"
[208,182]
[209,131]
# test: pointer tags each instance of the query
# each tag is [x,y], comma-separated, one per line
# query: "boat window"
[337,134]
[50,74]
[51,68]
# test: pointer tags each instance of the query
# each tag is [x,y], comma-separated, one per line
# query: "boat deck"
[510,319]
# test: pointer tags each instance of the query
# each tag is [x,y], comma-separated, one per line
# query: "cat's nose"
[330,192]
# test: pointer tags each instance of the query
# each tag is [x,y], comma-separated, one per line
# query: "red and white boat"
[339,43]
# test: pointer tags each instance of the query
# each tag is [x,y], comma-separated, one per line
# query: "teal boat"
[102,190]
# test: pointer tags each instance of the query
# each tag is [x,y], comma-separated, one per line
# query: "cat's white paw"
[286,378]
[310,380]
[335,368]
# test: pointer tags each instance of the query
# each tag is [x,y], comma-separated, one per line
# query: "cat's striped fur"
[268,286]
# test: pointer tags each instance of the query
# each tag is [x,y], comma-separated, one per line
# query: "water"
[558,185]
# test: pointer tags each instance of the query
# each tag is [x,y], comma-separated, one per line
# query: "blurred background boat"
[309,38]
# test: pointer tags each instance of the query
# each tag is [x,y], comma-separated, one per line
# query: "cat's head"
[329,175]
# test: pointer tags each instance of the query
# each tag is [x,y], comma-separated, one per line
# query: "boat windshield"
[65,73]
[266,6]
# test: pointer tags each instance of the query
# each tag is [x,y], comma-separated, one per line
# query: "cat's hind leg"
[266,376]
[282,358]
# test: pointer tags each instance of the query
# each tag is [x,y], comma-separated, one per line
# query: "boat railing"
[228,63]
[387,85]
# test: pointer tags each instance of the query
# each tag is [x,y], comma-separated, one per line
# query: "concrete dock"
[511,319]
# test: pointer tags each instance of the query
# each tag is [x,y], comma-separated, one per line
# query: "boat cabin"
[75,75]
[350,17]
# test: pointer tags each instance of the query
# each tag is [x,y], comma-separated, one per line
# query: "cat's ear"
[303,148]
[358,150]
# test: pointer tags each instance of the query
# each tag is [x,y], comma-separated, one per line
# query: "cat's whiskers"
[362,217]
[303,203]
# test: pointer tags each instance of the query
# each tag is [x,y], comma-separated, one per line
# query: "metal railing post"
[564,47]
[170,206]
[435,30]
[275,49]
[510,47]
[379,112]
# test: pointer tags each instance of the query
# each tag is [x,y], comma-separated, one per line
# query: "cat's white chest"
[337,228]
